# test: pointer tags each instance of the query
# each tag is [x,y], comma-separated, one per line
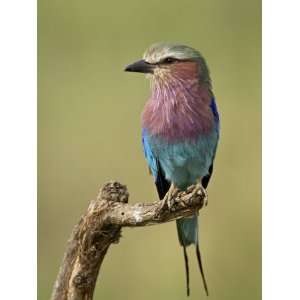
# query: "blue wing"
[151,160]
[162,184]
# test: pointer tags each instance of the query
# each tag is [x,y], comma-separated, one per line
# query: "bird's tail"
[188,234]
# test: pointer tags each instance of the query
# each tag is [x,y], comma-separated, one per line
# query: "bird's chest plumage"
[181,132]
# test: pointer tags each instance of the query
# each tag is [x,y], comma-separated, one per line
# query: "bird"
[180,129]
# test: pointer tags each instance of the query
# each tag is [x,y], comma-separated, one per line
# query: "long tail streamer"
[201,268]
[187,273]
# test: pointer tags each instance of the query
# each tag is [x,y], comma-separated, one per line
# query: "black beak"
[140,66]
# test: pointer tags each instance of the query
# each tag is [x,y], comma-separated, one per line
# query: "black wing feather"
[206,178]
[162,184]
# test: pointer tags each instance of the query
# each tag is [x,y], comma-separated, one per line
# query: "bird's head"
[165,62]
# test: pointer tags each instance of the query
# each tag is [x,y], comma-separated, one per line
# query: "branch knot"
[114,191]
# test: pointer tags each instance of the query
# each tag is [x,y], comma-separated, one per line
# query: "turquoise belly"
[185,162]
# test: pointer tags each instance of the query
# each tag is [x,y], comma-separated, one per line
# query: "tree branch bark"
[101,226]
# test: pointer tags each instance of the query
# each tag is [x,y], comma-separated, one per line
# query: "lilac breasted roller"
[180,128]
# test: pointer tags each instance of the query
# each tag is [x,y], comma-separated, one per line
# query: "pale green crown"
[158,52]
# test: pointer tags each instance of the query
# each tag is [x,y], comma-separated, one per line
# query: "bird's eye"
[169,60]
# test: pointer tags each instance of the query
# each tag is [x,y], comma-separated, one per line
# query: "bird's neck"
[179,108]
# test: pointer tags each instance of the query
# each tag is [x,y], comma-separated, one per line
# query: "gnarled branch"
[101,226]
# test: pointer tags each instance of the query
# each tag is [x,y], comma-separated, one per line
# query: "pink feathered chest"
[178,111]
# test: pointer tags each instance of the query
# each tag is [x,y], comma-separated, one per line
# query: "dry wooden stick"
[101,226]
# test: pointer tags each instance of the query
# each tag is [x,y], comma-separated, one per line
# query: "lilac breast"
[179,112]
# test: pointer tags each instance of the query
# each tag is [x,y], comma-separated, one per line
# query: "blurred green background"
[89,132]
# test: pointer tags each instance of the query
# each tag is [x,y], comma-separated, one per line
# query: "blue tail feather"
[187,231]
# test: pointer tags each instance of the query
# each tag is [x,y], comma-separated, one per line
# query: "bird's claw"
[169,197]
[199,187]
[206,199]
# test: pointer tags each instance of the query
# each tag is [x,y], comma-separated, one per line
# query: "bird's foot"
[206,198]
[171,194]
[198,187]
